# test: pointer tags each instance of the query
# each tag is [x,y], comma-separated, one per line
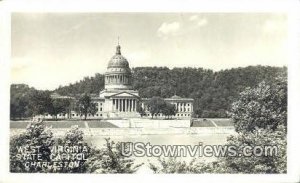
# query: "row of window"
[183,109]
[97,104]
[183,104]
[117,78]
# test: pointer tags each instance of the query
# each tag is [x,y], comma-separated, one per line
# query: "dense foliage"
[213,92]
[157,105]
[172,165]
[262,107]
[59,106]
[260,120]
[85,106]
[27,102]
[264,163]
[39,139]
[111,160]
[21,96]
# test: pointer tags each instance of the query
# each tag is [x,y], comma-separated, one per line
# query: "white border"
[285,6]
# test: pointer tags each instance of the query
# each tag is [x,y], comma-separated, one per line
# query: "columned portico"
[124,104]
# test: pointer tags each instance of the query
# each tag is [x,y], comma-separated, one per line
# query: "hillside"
[213,92]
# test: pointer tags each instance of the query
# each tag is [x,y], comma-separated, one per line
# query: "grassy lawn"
[104,124]
[54,124]
[97,124]
[202,123]
[223,122]
[19,124]
[65,124]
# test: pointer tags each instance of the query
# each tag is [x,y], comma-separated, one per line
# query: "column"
[124,101]
[130,107]
[134,105]
[125,105]
[113,104]
[119,105]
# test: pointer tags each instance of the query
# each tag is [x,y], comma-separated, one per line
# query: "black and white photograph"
[151,93]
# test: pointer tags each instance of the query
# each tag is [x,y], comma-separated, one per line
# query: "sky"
[53,49]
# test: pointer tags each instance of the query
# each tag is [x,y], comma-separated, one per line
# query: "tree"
[168,109]
[19,101]
[276,163]
[172,165]
[111,160]
[155,105]
[18,107]
[38,139]
[59,106]
[36,135]
[85,106]
[262,107]
[141,110]
[213,92]
[260,118]
[40,102]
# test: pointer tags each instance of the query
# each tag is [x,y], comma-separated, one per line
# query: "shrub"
[111,160]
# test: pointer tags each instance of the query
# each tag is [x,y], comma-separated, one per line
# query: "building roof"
[173,98]
[58,96]
[176,97]
[118,61]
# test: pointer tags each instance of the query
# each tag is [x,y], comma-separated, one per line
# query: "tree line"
[28,102]
[259,115]
[212,91]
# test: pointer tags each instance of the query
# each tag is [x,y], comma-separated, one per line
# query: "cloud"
[167,29]
[199,21]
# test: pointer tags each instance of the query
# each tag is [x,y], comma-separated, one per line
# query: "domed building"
[118,99]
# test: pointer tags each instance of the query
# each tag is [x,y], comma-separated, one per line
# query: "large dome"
[118,61]
[118,74]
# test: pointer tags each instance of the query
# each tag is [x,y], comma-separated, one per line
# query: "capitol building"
[119,100]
